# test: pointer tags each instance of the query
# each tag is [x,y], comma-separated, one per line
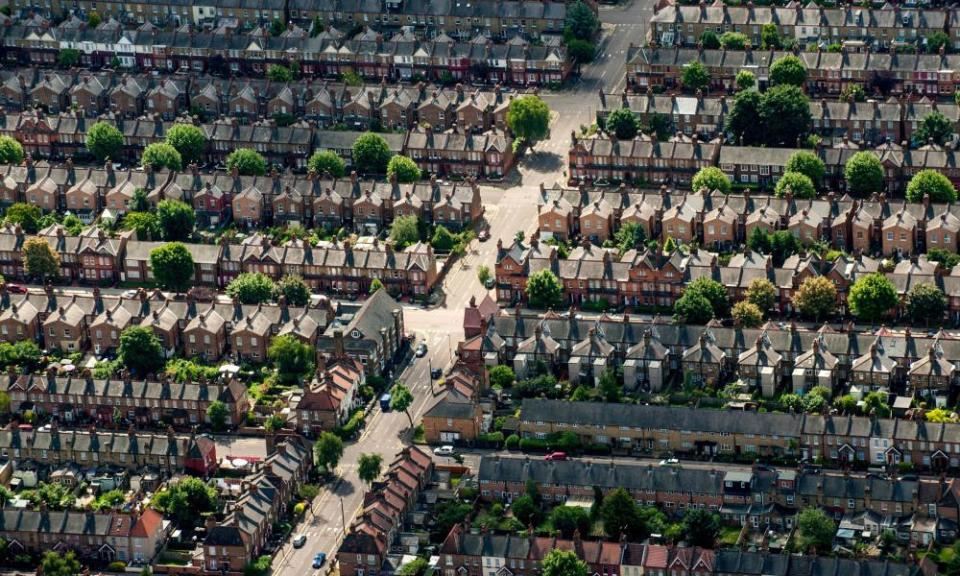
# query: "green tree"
[931,182]
[734,41]
[762,294]
[872,296]
[559,562]
[815,530]
[11,151]
[788,70]
[711,178]
[278,73]
[876,403]
[259,567]
[68,57]
[816,298]
[770,37]
[623,123]
[845,404]
[712,291]
[709,40]
[743,119]
[783,244]
[701,527]
[442,239]
[172,266]
[526,510]
[934,128]
[401,399]
[693,308]
[544,289]
[864,174]
[747,314]
[189,140]
[5,410]
[405,231]
[327,451]
[139,203]
[937,41]
[791,403]
[371,153]
[405,169]
[808,164]
[93,19]
[853,93]
[73,224]
[785,114]
[218,415]
[57,564]
[375,285]
[292,357]
[186,501]
[294,289]
[252,288]
[502,376]
[695,76]
[39,258]
[277,27]
[247,162]
[630,236]
[568,519]
[529,118]
[582,21]
[176,220]
[926,302]
[26,215]
[369,467]
[483,274]
[327,162]
[274,422]
[104,141]
[618,512]
[141,351]
[799,185]
[581,51]
[745,80]
[161,155]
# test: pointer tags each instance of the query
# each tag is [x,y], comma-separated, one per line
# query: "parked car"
[446,450]
[421,350]
[16,289]
[299,540]
[319,558]
[436,373]
[490,283]
[484,235]
[556,456]
[669,462]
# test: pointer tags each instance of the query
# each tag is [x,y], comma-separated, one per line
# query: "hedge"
[350,429]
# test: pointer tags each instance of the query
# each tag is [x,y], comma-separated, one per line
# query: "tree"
[935,128]
[172,266]
[808,164]
[743,119]
[937,41]
[186,500]
[711,178]
[747,314]
[701,527]
[693,309]
[327,451]
[544,289]
[176,220]
[864,174]
[709,40]
[5,410]
[161,155]
[278,73]
[785,114]
[39,258]
[371,153]
[277,27]
[788,70]
[56,564]
[93,19]
[938,416]
[292,357]
[274,422]
[189,140]
[791,403]
[104,141]
[252,288]
[581,22]
[327,162]
[442,239]
[247,162]
[734,41]
[502,376]
[745,80]
[581,51]
[68,57]
[926,302]
[876,403]
[526,510]
[139,202]
[714,292]
[623,123]
[933,183]
[770,37]
[405,169]
[872,296]
[816,298]
[695,76]
[405,231]
[559,562]
[799,185]
[618,512]
[73,224]
[294,289]
[218,414]
[846,404]
[141,351]
[368,467]
[483,274]
[11,151]
[816,530]
[400,399]
[529,118]
[26,215]
[762,294]
[630,236]
[568,519]
[783,244]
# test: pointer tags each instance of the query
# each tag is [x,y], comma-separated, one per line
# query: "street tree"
[404,169]
[581,51]
[252,288]
[544,289]
[292,357]
[582,22]
[809,164]
[785,114]
[371,154]
[161,155]
[935,128]
[872,297]
[933,183]
[559,562]
[798,185]
[788,70]
[401,399]
[483,274]
[217,415]
[11,151]
[695,76]
[172,266]
[247,162]
[176,220]
[762,294]
[104,140]
[926,302]
[369,467]
[816,298]
[711,178]
[189,140]
[294,289]
[864,174]
[405,231]
[327,162]
[140,350]
[39,259]
[747,314]
[327,451]
[623,123]
[529,118]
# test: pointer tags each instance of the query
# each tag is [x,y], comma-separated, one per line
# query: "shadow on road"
[542,161]
[343,489]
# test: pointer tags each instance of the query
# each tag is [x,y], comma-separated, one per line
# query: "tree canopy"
[403,168]
[161,155]
[711,178]
[11,151]
[745,80]
[327,162]
[695,76]
[714,292]
[186,500]
[788,70]
[252,288]
[141,351]
[623,123]
[816,530]
[218,415]
[544,289]
[327,451]
[872,297]
[785,114]
[931,182]
[247,162]
[935,128]
[582,21]
[529,118]
[405,231]
[816,298]
[762,294]
[401,398]
[172,266]
[189,140]
[798,185]
[294,289]
[693,308]
[40,259]
[734,40]
[559,562]
[104,140]
[292,357]
[747,314]
[864,174]
[371,153]
[926,302]
[369,467]
[56,564]
[743,119]
[176,220]
[808,164]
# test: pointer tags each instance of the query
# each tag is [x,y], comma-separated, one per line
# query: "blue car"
[319,559]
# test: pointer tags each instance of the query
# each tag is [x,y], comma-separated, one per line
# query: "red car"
[16,289]
[556,456]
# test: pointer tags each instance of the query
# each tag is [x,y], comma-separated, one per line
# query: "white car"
[443,450]
[670,462]
[299,540]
